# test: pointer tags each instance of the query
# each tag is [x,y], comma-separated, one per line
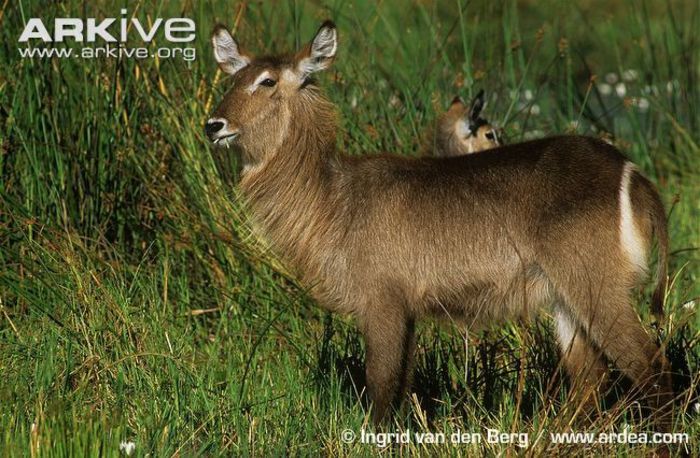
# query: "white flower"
[630,75]
[528,95]
[672,86]
[642,103]
[394,101]
[353,102]
[533,134]
[605,89]
[648,90]
[535,110]
[127,447]
[611,78]
[696,407]
[620,89]
[690,305]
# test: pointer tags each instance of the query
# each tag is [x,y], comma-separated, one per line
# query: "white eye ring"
[265,75]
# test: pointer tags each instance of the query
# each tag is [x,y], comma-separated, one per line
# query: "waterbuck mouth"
[225,140]
[218,131]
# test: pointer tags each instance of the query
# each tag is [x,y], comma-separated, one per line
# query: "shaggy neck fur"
[291,192]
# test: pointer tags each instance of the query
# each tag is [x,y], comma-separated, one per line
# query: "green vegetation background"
[135,306]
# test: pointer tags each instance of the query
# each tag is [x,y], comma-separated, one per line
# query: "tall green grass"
[135,305]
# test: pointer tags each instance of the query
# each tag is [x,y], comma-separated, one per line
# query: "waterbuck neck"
[291,193]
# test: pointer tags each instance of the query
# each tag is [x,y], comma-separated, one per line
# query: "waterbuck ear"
[457,102]
[477,106]
[226,51]
[320,53]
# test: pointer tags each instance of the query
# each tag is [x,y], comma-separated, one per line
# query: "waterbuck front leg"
[389,335]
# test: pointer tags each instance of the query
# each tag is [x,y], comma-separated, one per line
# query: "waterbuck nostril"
[212,127]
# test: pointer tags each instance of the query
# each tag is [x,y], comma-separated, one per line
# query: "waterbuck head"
[462,130]
[268,95]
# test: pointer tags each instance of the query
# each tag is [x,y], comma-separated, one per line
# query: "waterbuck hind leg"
[632,350]
[390,345]
[583,361]
[596,289]
[614,326]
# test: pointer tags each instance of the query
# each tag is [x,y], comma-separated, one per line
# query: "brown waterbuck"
[461,130]
[562,223]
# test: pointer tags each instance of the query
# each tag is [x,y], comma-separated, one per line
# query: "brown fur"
[481,238]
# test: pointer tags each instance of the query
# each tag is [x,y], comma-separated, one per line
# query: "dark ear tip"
[327,24]
[218,28]
[478,101]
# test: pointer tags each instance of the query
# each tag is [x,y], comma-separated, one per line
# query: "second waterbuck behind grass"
[461,130]
[563,223]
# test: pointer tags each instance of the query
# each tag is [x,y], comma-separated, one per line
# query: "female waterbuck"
[461,130]
[563,222]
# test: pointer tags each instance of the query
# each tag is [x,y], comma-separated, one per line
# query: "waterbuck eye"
[268,82]
[490,135]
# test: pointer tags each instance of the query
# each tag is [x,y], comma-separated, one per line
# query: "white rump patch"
[630,238]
